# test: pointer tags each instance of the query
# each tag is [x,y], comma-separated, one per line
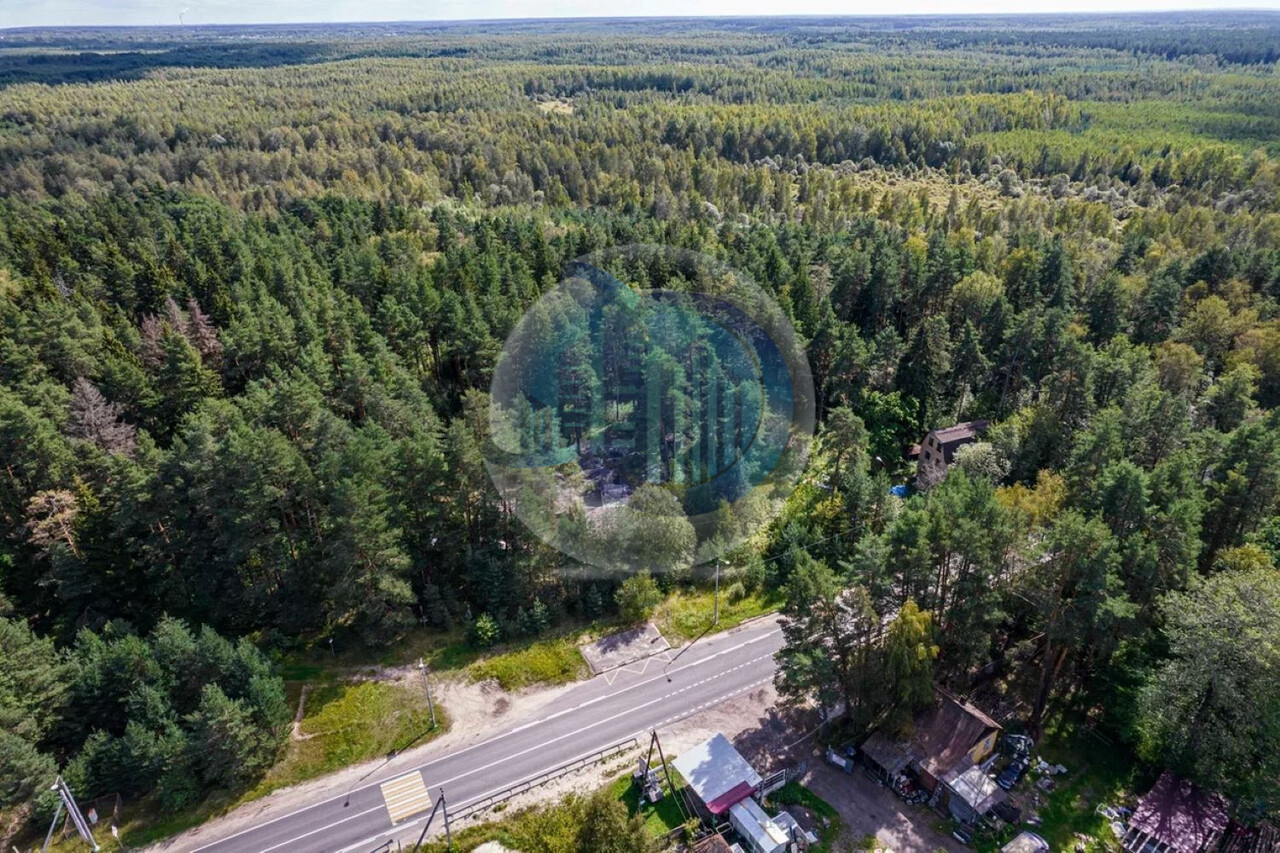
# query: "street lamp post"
[422,667]
[715,619]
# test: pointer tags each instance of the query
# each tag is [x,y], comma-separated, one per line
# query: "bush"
[637,597]
[545,662]
[735,592]
[484,632]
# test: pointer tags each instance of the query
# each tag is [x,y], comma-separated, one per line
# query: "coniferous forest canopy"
[254,281]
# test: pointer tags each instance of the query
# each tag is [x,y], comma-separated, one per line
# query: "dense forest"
[254,284]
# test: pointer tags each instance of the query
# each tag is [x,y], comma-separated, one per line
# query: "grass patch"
[795,794]
[1098,772]
[660,817]
[687,613]
[555,661]
[349,723]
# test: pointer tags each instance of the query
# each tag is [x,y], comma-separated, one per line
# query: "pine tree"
[94,418]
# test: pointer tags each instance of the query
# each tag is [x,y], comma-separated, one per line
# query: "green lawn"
[660,817]
[547,662]
[555,826]
[687,613]
[347,723]
[1098,772]
[795,794]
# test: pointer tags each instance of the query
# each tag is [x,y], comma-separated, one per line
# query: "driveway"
[869,809]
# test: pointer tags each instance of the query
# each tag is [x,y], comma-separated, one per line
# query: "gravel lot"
[869,809]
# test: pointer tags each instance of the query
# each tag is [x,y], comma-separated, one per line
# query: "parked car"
[1017,745]
[1012,774]
[963,834]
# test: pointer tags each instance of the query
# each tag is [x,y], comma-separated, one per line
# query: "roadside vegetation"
[594,823]
[347,723]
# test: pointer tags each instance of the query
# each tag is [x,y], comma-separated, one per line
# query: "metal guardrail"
[543,778]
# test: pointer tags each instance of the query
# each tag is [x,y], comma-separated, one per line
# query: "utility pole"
[422,667]
[715,619]
[440,806]
[67,801]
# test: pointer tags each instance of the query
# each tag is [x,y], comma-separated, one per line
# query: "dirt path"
[870,809]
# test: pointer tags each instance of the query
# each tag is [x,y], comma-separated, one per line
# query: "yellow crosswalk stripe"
[406,796]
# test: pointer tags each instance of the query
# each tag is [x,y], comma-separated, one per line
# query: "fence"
[532,782]
[773,782]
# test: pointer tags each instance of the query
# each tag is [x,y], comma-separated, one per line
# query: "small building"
[952,732]
[762,833]
[884,757]
[722,783]
[1177,817]
[970,793]
[717,774]
[950,736]
[1026,842]
[938,450]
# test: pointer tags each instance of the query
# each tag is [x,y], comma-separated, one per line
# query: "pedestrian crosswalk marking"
[406,796]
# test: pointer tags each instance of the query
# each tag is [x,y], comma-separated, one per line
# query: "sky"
[20,13]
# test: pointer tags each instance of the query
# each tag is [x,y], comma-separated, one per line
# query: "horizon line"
[866,16]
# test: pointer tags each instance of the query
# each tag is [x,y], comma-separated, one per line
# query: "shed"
[718,775]
[762,833]
[885,757]
[971,793]
[1176,817]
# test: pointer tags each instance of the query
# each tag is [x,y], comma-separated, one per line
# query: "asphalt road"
[605,710]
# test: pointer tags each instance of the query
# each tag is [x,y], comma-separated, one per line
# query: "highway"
[592,715]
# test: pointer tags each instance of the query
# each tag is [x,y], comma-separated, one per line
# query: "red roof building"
[718,775]
[1177,817]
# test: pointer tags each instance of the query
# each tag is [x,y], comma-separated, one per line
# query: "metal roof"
[717,773]
[976,788]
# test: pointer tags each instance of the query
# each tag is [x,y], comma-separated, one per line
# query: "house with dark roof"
[938,449]
[1263,838]
[952,735]
[1175,816]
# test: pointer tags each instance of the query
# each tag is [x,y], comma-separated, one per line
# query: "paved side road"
[609,708]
